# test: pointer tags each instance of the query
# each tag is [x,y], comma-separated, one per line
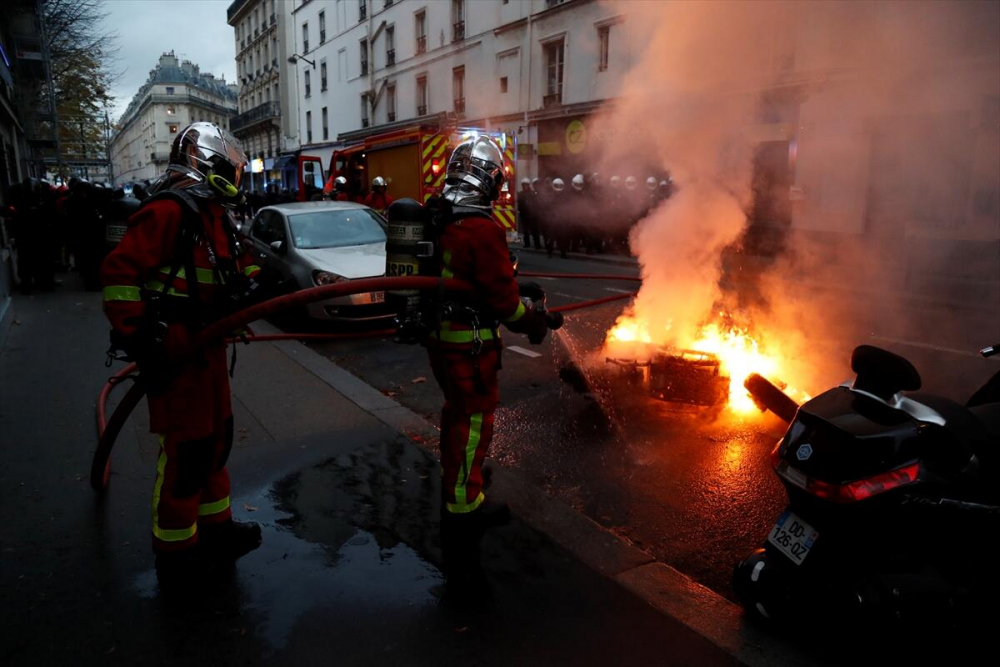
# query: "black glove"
[532,290]
[147,348]
[532,322]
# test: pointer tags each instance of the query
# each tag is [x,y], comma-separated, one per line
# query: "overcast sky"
[195,30]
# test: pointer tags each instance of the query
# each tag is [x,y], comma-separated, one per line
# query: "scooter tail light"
[856,491]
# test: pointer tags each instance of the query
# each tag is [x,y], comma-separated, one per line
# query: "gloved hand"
[532,290]
[532,322]
[147,348]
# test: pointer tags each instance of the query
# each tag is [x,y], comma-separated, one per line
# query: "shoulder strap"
[190,232]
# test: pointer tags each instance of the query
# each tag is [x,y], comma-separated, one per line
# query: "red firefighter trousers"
[471,397]
[194,420]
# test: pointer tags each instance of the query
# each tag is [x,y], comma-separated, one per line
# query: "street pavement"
[350,567]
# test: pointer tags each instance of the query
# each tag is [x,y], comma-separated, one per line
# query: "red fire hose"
[109,429]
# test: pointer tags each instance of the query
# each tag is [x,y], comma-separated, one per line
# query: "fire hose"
[109,429]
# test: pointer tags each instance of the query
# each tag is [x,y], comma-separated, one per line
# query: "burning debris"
[678,376]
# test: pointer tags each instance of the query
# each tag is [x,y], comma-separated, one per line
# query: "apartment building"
[176,94]
[266,124]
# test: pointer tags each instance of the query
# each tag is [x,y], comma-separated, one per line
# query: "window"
[309,127]
[305,37]
[275,92]
[604,37]
[457,20]
[364,56]
[308,84]
[458,88]
[362,12]
[388,3]
[173,128]
[326,125]
[420,25]
[390,102]
[421,95]
[364,110]
[342,65]
[170,90]
[322,75]
[503,84]
[549,4]
[171,111]
[390,46]
[322,27]
[554,52]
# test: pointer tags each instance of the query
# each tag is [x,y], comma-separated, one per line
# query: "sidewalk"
[350,564]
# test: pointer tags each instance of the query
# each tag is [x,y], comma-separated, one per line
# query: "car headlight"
[327,278]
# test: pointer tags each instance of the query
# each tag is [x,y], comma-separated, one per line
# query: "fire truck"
[412,161]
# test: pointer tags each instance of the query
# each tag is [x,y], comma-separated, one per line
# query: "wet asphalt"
[350,569]
[692,486]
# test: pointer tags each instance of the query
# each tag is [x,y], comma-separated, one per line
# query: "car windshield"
[335,229]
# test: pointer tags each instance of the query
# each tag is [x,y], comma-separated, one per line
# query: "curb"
[664,588]
[601,259]
[6,318]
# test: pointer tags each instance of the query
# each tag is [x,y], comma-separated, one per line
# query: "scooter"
[894,504]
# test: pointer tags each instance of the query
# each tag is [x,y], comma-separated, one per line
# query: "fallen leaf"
[419,380]
[16,322]
[249,508]
[462,629]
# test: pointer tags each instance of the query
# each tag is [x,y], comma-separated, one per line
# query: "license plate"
[378,297]
[793,537]
[114,233]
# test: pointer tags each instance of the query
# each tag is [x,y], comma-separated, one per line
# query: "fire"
[629,330]
[740,355]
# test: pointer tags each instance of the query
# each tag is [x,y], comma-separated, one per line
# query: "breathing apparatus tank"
[410,249]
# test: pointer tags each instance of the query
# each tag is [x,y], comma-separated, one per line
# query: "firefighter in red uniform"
[378,198]
[180,266]
[465,350]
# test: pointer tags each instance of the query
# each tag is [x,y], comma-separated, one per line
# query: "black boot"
[229,541]
[491,514]
[465,581]
[184,570]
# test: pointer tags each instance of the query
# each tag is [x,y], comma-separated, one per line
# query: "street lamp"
[292,58]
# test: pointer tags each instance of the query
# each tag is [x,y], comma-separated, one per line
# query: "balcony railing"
[259,114]
[459,105]
[365,122]
[364,67]
[391,116]
[421,44]
[390,57]
[256,33]
[422,110]
[552,100]
[322,36]
[362,15]
[274,19]
[458,32]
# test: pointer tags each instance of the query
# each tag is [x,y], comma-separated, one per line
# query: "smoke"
[837,168]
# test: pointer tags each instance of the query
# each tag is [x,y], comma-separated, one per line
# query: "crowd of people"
[590,215]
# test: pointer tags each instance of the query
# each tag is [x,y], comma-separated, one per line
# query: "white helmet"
[651,183]
[558,185]
[577,182]
[630,183]
[525,182]
[615,181]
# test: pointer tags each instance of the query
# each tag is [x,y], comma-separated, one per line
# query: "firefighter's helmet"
[339,184]
[558,185]
[207,161]
[379,184]
[577,182]
[615,182]
[475,173]
[525,184]
[630,183]
[651,183]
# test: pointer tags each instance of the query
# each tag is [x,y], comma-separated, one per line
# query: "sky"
[195,30]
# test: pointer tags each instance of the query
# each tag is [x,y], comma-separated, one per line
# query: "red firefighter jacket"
[475,249]
[378,201]
[143,260]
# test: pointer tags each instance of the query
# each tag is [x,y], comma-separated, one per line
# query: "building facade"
[266,124]
[176,94]
[500,65]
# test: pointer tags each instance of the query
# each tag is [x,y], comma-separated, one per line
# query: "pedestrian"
[464,352]
[180,266]
[378,198]
[526,214]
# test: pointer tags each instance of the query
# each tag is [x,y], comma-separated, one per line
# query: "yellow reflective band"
[205,509]
[206,276]
[521,310]
[446,256]
[447,273]
[157,286]
[251,269]
[455,508]
[122,293]
[166,534]
[446,336]
[475,430]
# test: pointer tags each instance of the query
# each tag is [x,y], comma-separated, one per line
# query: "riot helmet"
[534,184]
[630,183]
[558,185]
[525,184]
[577,182]
[615,182]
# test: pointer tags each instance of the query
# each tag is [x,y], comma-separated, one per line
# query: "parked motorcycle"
[894,503]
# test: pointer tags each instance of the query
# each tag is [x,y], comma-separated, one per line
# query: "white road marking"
[521,350]
[542,278]
[570,296]
[926,346]
[619,290]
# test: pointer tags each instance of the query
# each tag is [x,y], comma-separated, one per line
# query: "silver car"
[321,243]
